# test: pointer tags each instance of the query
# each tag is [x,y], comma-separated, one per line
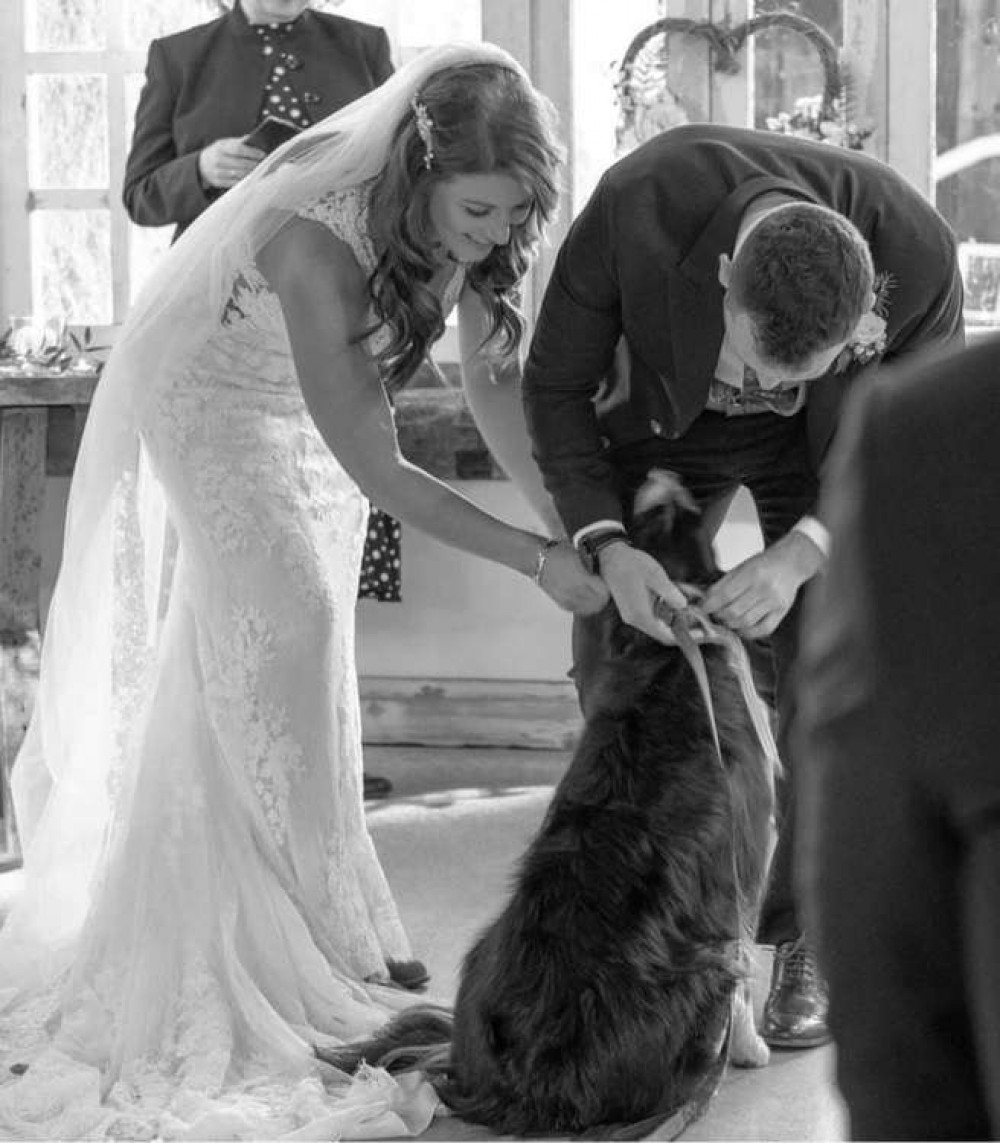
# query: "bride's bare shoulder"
[305,252]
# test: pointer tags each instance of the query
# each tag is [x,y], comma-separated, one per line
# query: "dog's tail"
[417,1038]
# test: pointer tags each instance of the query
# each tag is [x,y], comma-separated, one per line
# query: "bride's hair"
[484,119]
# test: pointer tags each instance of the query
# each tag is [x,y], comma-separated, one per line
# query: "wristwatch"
[593,543]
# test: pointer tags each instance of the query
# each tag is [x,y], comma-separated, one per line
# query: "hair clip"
[425,128]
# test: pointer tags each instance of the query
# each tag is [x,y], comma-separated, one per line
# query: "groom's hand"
[754,597]
[641,589]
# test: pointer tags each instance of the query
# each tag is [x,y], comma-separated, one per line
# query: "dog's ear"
[666,523]
[664,494]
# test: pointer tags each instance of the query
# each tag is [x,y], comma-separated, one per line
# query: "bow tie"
[782,399]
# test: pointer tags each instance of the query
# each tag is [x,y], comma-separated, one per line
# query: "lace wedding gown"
[202,899]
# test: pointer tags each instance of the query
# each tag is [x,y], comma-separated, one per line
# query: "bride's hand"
[565,580]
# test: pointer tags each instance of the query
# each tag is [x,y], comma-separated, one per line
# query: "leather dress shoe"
[376,787]
[796,1007]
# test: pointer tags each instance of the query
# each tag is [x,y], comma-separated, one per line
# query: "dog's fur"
[610,991]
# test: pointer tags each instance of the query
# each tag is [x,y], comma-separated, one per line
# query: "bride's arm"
[324,299]
[493,390]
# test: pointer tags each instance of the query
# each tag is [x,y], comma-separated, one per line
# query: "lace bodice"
[252,313]
[346,214]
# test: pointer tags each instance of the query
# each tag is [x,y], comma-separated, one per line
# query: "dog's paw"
[746,1048]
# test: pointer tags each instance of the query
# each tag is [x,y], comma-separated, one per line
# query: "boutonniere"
[868,341]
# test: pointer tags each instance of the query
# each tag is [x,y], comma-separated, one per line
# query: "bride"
[202,902]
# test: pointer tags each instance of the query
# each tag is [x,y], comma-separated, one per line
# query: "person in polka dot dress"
[206,89]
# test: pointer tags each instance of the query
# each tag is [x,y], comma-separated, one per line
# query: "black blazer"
[207,82]
[896,748]
[640,263]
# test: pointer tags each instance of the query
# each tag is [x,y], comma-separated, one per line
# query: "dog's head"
[666,523]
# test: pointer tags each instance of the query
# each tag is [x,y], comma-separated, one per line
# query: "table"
[41,420]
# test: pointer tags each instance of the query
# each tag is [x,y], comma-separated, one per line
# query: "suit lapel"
[681,345]
[696,326]
[244,67]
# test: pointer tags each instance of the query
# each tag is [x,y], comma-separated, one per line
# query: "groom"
[708,310]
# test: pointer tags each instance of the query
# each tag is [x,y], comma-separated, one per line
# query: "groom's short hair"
[805,276]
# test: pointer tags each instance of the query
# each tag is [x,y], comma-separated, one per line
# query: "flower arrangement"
[646,103]
[813,117]
[45,352]
[868,342]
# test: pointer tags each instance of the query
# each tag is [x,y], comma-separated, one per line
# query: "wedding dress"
[202,902]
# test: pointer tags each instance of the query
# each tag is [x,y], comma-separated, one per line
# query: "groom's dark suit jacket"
[207,82]
[640,264]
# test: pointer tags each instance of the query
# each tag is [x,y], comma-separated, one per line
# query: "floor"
[448,837]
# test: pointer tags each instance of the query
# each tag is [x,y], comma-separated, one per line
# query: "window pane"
[793,63]
[438,21]
[385,13]
[71,265]
[412,26]
[67,131]
[65,25]
[146,20]
[967,170]
[601,35]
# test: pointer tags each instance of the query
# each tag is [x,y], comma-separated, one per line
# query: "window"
[68,246]
[967,165]
[643,66]
[415,25]
[72,71]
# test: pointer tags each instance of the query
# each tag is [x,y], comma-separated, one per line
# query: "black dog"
[609,993]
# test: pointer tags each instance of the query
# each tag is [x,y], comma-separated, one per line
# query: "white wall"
[462,617]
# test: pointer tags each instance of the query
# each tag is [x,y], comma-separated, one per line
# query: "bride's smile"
[472,214]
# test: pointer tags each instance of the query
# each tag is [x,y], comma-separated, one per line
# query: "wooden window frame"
[17,201]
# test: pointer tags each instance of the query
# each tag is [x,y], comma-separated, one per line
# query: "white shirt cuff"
[598,526]
[813,530]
